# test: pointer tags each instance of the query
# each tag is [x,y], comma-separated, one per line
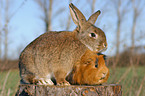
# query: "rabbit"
[90,70]
[53,54]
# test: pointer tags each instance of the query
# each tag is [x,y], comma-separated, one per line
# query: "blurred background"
[21,21]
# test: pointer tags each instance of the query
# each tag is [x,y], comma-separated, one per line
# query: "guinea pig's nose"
[104,74]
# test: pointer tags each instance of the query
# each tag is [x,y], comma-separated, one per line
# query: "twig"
[140,88]
[13,14]
[16,88]
[3,89]
[9,91]
[124,75]
[130,89]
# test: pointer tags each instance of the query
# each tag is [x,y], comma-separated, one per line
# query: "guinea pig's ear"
[96,63]
[99,54]
[105,58]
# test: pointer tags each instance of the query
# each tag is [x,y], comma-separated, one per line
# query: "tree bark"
[74,90]
[46,7]
[93,6]
[69,19]
[135,16]
[118,29]
[0,28]
[6,30]
[49,15]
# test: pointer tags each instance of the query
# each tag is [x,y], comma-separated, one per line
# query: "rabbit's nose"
[104,45]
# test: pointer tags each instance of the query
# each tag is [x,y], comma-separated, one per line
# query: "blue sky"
[25,25]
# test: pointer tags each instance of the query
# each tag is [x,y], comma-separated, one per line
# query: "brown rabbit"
[53,54]
[90,70]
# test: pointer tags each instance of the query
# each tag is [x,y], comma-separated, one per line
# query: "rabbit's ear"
[76,15]
[94,17]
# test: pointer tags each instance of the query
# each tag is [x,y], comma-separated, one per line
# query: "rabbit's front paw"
[43,81]
[64,83]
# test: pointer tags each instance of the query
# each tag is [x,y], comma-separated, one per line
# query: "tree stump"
[73,90]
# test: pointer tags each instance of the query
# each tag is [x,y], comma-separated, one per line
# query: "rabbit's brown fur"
[53,54]
[85,72]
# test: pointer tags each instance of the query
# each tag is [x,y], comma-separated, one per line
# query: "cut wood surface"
[73,90]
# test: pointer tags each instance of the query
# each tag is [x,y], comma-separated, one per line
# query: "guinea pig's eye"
[93,35]
[96,63]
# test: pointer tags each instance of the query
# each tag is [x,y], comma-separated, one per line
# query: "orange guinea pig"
[90,70]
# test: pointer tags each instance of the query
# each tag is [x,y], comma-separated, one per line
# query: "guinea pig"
[90,70]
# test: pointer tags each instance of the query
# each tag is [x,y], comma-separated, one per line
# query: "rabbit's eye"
[93,35]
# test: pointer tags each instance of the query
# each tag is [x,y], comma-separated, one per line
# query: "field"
[132,80]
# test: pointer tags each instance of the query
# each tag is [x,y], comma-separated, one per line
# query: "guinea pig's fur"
[90,70]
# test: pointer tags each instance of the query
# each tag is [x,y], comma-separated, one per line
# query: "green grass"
[11,83]
[130,83]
